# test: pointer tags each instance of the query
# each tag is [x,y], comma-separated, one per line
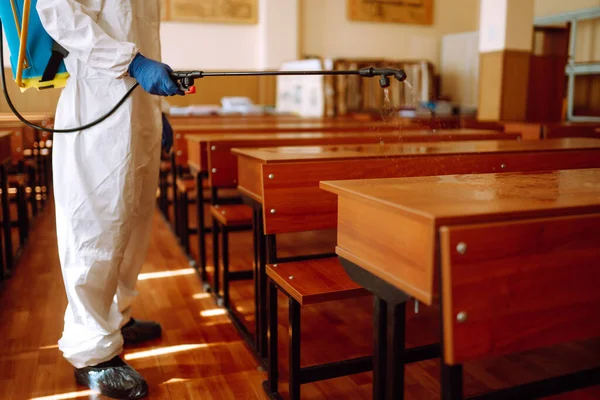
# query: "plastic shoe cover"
[113,379]
[140,331]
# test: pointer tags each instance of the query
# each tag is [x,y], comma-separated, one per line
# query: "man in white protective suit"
[105,179]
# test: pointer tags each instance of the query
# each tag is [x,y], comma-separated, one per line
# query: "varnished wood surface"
[315,281]
[423,203]
[571,130]
[201,355]
[290,193]
[530,131]
[398,135]
[176,120]
[426,203]
[264,127]
[233,214]
[343,126]
[212,153]
[523,285]
[321,153]
[464,199]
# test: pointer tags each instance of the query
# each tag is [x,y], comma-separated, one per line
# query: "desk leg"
[273,367]
[174,190]
[452,382]
[6,221]
[261,333]
[256,240]
[216,261]
[389,352]
[201,232]
[379,347]
[397,334]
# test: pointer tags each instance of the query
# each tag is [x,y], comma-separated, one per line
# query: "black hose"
[81,128]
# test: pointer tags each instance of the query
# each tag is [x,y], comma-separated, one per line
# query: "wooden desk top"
[322,153]
[220,137]
[514,256]
[288,127]
[463,199]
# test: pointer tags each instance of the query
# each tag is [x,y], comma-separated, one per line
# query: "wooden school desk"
[182,131]
[284,181]
[513,259]
[179,157]
[209,156]
[552,130]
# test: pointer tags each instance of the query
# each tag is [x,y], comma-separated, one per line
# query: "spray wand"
[186,79]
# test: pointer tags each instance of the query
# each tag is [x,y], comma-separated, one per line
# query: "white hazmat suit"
[105,177]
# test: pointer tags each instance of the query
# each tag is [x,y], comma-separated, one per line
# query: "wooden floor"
[201,356]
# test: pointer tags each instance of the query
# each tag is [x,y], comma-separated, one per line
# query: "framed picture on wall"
[211,11]
[393,11]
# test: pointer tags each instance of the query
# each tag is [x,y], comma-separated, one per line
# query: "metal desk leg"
[6,221]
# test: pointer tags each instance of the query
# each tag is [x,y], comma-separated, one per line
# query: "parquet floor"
[201,355]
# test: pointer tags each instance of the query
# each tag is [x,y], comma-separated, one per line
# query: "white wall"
[235,47]
[459,68]
[507,24]
[209,46]
[328,32]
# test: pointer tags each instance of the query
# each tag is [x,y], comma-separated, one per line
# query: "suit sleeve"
[73,25]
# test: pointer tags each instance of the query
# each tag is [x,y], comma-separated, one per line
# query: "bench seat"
[231,215]
[315,281]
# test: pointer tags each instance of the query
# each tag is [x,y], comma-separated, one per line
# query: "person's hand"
[167,135]
[154,77]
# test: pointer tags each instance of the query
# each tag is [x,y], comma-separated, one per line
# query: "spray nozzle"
[384,74]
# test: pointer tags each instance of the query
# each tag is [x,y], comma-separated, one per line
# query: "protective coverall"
[105,178]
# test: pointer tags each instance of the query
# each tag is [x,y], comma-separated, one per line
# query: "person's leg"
[135,331]
[94,177]
[94,222]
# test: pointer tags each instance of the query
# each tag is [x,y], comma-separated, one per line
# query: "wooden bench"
[284,182]
[210,155]
[305,283]
[575,129]
[512,260]
[182,131]
[225,219]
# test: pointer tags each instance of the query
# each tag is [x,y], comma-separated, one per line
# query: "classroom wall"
[327,32]
[265,45]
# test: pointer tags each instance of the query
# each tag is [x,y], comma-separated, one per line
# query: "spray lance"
[37,61]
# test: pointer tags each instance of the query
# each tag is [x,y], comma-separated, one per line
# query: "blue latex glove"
[167,135]
[154,77]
